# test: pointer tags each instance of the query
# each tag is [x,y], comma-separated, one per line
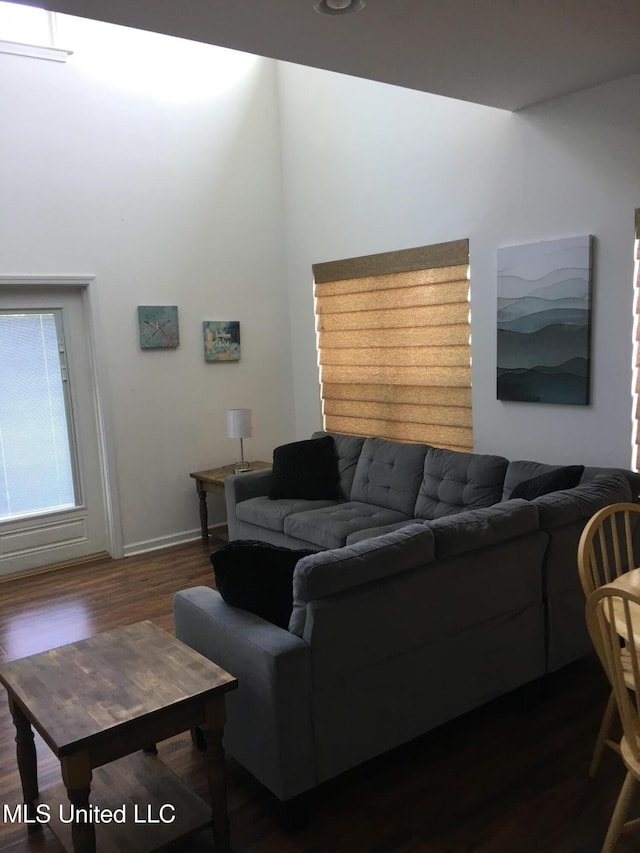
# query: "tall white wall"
[219,200]
[371,168]
[168,196]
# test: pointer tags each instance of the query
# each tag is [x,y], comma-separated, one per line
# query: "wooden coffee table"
[99,700]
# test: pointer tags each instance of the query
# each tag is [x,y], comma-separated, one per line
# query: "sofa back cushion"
[388,474]
[348,449]
[480,528]
[330,572]
[557,509]
[454,481]
[633,477]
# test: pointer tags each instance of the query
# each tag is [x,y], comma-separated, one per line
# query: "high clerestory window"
[28,31]
[394,345]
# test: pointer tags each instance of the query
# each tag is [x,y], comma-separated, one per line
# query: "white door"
[52,501]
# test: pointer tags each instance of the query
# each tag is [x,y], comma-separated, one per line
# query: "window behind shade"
[394,345]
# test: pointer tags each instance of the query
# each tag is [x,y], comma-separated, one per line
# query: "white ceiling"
[501,53]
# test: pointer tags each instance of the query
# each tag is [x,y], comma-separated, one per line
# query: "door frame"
[83,285]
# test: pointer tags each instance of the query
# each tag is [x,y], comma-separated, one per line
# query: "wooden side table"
[212,481]
[97,701]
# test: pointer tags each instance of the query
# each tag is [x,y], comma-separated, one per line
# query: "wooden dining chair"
[606,551]
[614,614]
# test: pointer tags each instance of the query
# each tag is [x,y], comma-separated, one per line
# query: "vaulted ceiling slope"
[501,53]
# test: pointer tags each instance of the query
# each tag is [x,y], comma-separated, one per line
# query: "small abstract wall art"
[158,325]
[544,321]
[221,340]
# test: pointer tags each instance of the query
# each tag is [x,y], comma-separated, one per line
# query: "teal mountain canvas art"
[544,321]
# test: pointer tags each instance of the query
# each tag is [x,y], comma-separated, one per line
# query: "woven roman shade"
[394,345]
[636,349]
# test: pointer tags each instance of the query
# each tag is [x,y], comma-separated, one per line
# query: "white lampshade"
[239,423]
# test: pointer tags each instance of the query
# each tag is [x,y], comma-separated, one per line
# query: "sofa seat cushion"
[388,474]
[455,481]
[370,532]
[264,512]
[328,527]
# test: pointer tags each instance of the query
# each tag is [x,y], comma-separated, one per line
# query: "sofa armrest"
[242,487]
[268,726]
[251,484]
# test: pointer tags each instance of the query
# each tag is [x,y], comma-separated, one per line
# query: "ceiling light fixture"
[338,7]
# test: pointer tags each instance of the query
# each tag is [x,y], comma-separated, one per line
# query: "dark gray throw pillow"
[306,469]
[257,577]
[550,481]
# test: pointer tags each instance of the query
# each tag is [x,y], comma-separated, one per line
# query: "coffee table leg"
[217,772]
[76,775]
[26,756]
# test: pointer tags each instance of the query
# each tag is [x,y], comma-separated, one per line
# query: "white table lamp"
[240,425]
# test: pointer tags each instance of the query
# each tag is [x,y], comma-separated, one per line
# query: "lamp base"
[242,467]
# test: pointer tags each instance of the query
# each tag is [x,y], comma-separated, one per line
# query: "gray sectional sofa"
[431,592]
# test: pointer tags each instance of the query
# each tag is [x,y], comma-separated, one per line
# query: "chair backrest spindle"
[613,620]
[606,549]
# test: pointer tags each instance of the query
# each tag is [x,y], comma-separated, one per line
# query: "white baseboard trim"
[136,548]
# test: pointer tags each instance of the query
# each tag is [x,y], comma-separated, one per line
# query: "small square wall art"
[544,321]
[221,340]
[158,326]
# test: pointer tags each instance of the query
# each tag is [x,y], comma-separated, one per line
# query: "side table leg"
[204,516]
[26,757]
[217,773]
[76,774]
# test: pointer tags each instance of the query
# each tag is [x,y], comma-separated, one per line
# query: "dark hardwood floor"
[510,777]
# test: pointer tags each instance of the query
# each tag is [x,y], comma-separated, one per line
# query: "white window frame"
[83,284]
